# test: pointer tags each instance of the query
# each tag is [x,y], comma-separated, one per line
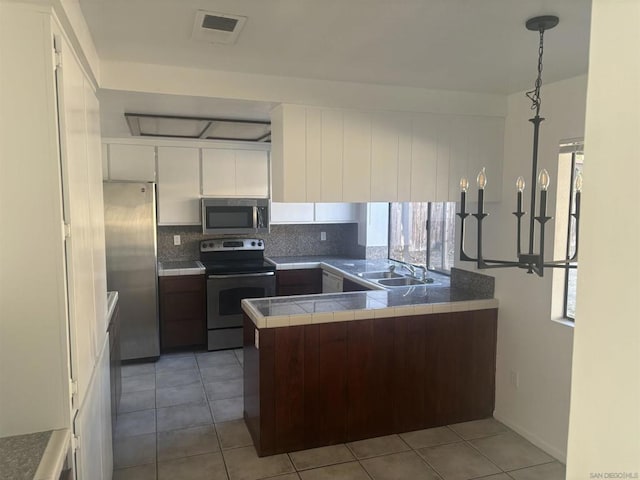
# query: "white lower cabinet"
[92,425]
[178,186]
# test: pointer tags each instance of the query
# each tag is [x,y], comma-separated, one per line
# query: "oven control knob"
[253,244]
[259,244]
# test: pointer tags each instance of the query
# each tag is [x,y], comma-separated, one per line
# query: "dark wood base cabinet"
[306,281]
[314,385]
[183,320]
[351,286]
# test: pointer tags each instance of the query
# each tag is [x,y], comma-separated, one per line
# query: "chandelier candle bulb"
[482,179]
[520,187]
[464,186]
[482,182]
[544,180]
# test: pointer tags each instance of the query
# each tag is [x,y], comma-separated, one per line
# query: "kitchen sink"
[400,282]
[379,275]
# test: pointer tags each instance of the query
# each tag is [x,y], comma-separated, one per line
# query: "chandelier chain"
[534,95]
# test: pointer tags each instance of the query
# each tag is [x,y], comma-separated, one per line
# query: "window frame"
[568,253]
[389,237]
[429,234]
[428,238]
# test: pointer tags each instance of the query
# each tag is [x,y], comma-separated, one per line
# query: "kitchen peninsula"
[327,369]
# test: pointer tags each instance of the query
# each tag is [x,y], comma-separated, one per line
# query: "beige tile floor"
[181,419]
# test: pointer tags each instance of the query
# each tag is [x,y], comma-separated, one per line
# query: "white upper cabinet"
[132,162]
[218,172]
[178,186]
[313,212]
[288,149]
[336,212]
[330,155]
[356,159]
[292,213]
[252,173]
[424,158]
[390,158]
[235,173]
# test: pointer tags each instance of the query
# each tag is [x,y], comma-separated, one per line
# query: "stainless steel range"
[235,269]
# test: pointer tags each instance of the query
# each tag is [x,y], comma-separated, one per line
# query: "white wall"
[537,349]
[373,224]
[604,433]
[139,77]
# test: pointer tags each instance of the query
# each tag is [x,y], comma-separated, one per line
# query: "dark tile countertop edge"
[34,456]
[437,297]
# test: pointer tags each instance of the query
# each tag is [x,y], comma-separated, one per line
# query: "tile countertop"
[187,267]
[437,297]
[37,456]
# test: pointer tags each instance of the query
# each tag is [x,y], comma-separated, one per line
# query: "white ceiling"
[469,45]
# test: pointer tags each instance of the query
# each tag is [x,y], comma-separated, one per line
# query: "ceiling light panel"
[238,131]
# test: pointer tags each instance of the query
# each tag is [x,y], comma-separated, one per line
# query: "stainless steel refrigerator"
[130,234]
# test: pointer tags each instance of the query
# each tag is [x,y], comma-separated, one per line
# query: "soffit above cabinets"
[152,125]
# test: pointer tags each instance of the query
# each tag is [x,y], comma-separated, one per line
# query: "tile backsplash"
[283,240]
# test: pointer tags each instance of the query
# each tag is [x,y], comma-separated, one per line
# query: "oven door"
[225,292]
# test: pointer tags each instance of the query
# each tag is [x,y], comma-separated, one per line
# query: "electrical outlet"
[514,379]
[323,236]
[176,240]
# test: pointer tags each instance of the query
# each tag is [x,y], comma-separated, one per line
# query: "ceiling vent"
[150,125]
[215,27]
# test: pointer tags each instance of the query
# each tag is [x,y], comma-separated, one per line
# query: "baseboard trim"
[537,441]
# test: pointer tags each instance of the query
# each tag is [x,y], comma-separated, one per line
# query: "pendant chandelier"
[530,260]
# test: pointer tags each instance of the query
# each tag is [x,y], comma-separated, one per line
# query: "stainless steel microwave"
[235,215]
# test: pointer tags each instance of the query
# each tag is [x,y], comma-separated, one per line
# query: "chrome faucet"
[424,272]
[413,268]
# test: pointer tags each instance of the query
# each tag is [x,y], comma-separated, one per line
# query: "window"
[441,233]
[408,232]
[571,275]
[570,162]
[410,240]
